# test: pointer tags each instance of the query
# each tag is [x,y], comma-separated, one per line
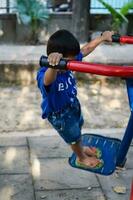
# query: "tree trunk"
[80,19]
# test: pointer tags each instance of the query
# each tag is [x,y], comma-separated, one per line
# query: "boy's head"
[63,42]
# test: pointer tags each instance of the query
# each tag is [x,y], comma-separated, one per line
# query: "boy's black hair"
[64,42]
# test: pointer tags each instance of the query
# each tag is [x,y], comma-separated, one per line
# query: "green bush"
[33,13]
[118,18]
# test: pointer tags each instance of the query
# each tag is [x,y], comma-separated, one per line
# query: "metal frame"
[8,6]
[128,136]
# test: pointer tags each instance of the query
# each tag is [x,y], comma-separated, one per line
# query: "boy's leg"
[83,158]
[68,125]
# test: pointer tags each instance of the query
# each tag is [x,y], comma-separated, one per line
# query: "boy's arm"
[50,74]
[89,47]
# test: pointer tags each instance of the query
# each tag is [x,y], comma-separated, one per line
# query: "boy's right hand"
[54,58]
[107,36]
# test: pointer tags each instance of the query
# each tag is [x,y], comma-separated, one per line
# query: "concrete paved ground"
[36,167]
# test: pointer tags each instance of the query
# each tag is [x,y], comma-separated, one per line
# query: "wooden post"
[80,19]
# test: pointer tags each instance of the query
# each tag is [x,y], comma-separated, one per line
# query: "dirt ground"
[103,106]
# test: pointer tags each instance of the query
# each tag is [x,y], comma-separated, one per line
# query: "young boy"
[59,94]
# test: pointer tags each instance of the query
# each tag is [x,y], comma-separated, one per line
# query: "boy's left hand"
[54,58]
[107,36]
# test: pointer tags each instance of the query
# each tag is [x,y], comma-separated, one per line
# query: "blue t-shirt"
[60,93]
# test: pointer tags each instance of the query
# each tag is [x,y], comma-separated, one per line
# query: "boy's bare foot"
[90,151]
[90,162]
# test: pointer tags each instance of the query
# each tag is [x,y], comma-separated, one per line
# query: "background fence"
[8,6]
[97,7]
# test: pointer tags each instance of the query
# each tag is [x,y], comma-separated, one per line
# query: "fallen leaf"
[120,189]
[43,197]
[89,188]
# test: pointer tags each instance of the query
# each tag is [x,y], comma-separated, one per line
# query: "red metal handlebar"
[126,39]
[101,69]
[93,68]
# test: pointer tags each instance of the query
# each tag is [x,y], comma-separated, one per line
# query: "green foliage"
[32,12]
[118,17]
[125,9]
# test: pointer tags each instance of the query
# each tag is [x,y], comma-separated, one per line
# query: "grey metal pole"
[8,6]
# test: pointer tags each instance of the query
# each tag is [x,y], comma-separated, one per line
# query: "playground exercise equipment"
[113,150]
[131,193]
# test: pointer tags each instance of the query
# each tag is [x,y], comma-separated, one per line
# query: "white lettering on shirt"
[69,81]
[74,90]
[65,85]
[60,87]
[71,75]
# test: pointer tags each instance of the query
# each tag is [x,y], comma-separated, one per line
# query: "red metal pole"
[92,68]
[101,69]
[131,194]
[122,39]
[126,39]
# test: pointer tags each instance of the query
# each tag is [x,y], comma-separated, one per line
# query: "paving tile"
[79,194]
[13,141]
[16,187]
[14,160]
[57,174]
[129,162]
[123,178]
[49,147]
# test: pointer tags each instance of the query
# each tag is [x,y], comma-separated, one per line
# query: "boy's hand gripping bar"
[44,62]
